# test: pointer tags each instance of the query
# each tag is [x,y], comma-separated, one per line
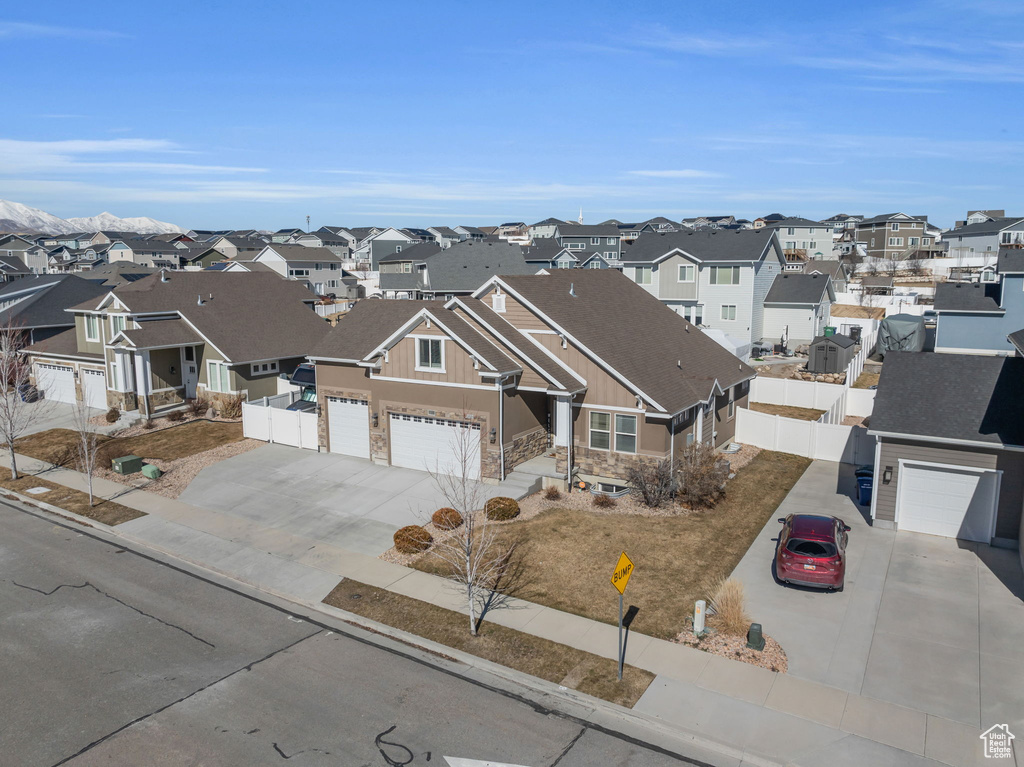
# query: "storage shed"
[830,354]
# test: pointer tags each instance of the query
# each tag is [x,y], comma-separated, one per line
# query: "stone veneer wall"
[122,400]
[525,447]
[161,399]
[216,400]
[604,463]
[490,455]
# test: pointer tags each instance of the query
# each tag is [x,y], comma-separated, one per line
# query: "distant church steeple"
[581,216]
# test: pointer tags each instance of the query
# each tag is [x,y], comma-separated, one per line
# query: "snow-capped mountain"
[17,217]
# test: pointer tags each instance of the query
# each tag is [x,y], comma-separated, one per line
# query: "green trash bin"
[830,330]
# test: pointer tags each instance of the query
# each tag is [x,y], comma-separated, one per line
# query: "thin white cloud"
[11,30]
[682,173]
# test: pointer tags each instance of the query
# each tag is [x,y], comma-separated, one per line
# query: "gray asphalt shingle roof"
[969,397]
[796,288]
[984,227]
[1010,261]
[706,246]
[967,297]
[46,306]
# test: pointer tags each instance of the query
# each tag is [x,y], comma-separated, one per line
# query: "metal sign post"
[620,578]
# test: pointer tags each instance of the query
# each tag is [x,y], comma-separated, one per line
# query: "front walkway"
[757,716]
[925,622]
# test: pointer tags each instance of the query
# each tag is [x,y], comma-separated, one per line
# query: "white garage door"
[349,424]
[94,386]
[56,382]
[948,502]
[435,444]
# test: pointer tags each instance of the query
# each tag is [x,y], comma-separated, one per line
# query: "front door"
[560,421]
[190,371]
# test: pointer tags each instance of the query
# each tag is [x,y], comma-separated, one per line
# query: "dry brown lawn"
[788,411]
[107,512]
[678,558]
[866,380]
[582,671]
[167,444]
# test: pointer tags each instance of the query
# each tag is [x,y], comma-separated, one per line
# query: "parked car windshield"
[811,548]
[309,394]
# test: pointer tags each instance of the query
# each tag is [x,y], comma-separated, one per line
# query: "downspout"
[568,448]
[501,423]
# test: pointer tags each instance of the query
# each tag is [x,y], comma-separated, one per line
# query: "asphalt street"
[111,656]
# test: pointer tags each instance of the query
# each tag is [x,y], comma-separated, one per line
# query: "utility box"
[129,464]
[151,472]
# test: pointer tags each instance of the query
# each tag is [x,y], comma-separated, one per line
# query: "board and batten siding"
[1011,491]
[515,313]
[458,365]
[669,288]
[602,388]
[714,297]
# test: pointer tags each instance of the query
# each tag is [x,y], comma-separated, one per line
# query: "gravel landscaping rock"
[772,657]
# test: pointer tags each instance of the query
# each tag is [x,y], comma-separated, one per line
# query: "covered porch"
[155,368]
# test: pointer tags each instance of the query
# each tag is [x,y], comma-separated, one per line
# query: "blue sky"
[228,114]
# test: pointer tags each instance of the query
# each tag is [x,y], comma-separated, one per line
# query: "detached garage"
[949,456]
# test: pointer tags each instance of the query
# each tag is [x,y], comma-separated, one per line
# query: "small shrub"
[603,501]
[552,493]
[653,484]
[701,476]
[149,424]
[501,509]
[233,406]
[112,415]
[729,608]
[197,407]
[412,539]
[175,416]
[446,519]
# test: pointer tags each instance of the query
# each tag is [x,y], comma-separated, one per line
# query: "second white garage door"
[349,424]
[435,444]
[948,502]
[94,388]
[56,382]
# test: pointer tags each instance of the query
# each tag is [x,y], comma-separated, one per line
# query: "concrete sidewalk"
[770,718]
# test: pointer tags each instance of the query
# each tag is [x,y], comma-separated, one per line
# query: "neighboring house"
[282,236]
[985,237]
[38,305]
[153,253]
[12,268]
[976,318]
[196,259]
[444,236]
[979,216]
[115,275]
[337,238]
[470,233]
[714,278]
[837,270]
[548,253]
[319,269]
[524,366]
[547,228]
[797,308]
[802,240]
[232,246]
[605,239]
[454,271]
[708,222]
[875,285]
[771,218]
[381,244]
[152,344]
[897,237]
[841,221]
[949,459]
[31,254]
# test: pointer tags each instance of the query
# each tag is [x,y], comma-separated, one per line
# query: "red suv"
[812,551]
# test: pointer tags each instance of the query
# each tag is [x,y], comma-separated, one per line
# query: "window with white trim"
[263,368]
[686,272]
[896,241]
[729,312]
[732,403]
[894,226]
[926,240]
[218,377]
[644,275]
[430,355]
[575,246]
[595,240]
[724,275]
[625,433]
[610,241]
[92,327]
[117,324]
[611,254]
[600,431]
[595,264]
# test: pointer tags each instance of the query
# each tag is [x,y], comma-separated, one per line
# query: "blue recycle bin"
[864,490]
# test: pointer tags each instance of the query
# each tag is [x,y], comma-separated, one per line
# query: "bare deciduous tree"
[87,445]
[17,416]
[486,566]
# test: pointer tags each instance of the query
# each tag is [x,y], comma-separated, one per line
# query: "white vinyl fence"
[268,420]
[826,438]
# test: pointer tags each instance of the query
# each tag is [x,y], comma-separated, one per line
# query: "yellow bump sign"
[623,570]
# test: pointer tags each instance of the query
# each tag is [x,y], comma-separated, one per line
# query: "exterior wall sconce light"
[494,435]
[887,475]
[376,420]
[173,370]
[319,410]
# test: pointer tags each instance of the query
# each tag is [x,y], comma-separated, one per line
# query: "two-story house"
[470,233]
[319,269]
[896,237]
[802,240]
[231,246]
[985,237]
[426,271]
[547,228]
[381,244]
[38,306]
[31,254]
[444,236]
[713,278]
[525,366]
[605,239]
[152,344]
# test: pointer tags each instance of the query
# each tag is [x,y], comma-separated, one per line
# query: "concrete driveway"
[48,414]
[930,623]
[347,502]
